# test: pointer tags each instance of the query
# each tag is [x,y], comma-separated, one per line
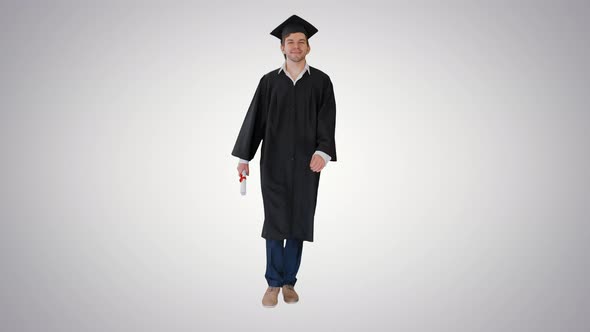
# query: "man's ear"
[282,48]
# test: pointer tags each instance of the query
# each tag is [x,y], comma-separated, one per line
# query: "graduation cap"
[294,24]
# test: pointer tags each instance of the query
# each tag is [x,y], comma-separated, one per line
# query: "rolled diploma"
[243,184]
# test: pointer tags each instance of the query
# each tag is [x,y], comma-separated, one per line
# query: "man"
[293,113]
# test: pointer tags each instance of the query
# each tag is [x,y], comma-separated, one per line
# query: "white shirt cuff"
[324,155]
[243,161]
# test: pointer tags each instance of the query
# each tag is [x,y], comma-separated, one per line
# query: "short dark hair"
[285,37]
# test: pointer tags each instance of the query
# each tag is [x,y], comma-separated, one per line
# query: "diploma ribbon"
[242,178]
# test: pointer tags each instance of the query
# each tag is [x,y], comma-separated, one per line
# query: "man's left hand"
[317,163]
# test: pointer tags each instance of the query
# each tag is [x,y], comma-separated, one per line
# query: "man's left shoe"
[289,294]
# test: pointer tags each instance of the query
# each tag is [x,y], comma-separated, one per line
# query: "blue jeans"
[282,261]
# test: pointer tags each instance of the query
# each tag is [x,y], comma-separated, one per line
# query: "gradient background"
[460,200]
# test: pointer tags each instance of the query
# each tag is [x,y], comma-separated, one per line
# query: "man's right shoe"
[271,297]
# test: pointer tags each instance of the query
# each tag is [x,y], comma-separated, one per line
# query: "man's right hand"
[241,167]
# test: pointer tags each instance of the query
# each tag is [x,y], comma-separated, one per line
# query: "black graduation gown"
[292,121]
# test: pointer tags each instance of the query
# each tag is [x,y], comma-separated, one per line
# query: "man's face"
[295,47]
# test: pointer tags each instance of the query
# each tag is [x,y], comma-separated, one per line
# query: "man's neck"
[294,68]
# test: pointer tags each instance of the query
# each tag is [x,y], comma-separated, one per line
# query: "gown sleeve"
[327,122]
[253,127]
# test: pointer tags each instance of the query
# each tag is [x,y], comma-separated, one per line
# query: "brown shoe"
[270,298]
[289,294]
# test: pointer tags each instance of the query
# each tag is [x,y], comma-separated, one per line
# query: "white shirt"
[322,154]
[300,74]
